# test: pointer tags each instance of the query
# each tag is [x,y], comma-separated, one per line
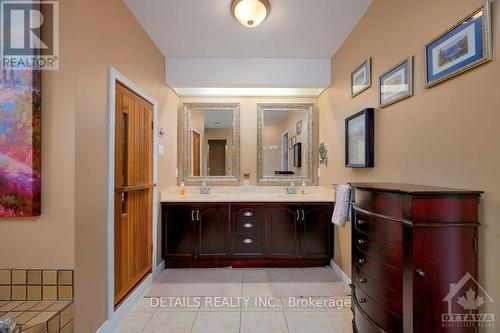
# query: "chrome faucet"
[204,189]
[291,189]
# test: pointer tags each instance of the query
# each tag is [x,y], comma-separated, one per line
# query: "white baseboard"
[340,272]
[112,323]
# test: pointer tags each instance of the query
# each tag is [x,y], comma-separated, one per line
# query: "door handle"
[303,215]
[298,215]
[198,215]
[192,214]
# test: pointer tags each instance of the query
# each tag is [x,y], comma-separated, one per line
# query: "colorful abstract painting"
[20,143]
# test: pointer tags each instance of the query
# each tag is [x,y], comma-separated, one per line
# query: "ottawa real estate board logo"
[29,34]
[464,301]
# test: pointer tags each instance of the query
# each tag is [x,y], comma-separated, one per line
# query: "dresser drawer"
[377,227]
[379,271]
[382,293]
[379,249]
[383,317]
[389,204]
[363,325]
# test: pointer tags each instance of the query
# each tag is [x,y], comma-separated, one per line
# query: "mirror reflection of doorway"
[196,149]
[217,157]
[284,152]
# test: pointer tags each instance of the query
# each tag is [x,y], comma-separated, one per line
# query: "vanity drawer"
[379,249]
[382,316]
[245,244]
[378,270]
[382,293]
[378,227]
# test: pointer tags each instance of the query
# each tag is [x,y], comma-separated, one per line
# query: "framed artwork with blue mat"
[462,47]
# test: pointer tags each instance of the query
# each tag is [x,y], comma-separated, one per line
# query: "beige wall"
[108,35]
[47,241]
[446,135]
[248,124]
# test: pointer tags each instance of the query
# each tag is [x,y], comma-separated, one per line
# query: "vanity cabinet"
[247,234]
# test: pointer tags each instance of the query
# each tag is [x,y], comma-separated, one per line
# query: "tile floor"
[249,300]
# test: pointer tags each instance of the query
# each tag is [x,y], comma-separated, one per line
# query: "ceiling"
[218,119]
[206,28]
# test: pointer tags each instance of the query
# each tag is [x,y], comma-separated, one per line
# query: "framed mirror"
[285,141]
[211,143]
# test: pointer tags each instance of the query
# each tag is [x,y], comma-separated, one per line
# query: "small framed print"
[397,83]
[462,47]
[298,127]
[359,139]
[361,78]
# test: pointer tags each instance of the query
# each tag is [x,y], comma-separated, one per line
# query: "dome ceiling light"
[250,13]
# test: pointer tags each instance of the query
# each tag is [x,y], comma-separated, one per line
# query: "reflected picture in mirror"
[279,127]
[213,141]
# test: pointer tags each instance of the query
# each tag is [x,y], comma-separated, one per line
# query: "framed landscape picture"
[397,83]
[359,139]
[361,78]
[462,47]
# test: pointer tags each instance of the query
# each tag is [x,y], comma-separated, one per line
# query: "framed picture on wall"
[298,127]
[397,83]
[361,78]
[359,143]
[462,47]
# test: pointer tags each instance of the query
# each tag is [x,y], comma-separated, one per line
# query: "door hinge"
[474,245]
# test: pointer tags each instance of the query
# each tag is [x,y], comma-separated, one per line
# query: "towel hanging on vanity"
[342,210]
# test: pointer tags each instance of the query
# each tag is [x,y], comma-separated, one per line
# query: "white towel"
[342,210]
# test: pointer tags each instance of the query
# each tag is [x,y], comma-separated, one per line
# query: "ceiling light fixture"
[250,13]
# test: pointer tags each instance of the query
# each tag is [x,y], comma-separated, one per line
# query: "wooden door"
[195,139]
[283,231]
[133,190]
[180,230]
[217,157]
[315,230]
[213,231]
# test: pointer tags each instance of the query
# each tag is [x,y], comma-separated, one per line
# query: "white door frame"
[116,76]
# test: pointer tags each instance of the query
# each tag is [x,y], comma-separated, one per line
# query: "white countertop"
[247,194]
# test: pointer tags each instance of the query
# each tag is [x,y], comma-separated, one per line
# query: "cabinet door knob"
[420,272]
[361,222]
[248,214]
[361,261]
[192,215]
[303,215]
[248,241]
[361,241]
[298,215]
[247,225]
[362,300]
[362,280]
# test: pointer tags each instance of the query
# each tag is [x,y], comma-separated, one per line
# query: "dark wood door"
[217,157]
[315,230]
[180,230]
[283,232]
[196,149]
[212,231]
[133,198]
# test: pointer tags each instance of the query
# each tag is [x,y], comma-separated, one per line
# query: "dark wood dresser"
[409,243]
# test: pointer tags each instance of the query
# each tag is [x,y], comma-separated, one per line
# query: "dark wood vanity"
[409,243]
[247,234]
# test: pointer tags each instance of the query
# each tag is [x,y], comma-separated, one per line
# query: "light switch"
[161,150]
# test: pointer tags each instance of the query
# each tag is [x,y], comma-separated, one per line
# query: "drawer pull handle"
[362,280]
[248,241]
[361,261]
[361,241]
[361,222]
[248,214]
[248,225]
[420,272]
[362,300]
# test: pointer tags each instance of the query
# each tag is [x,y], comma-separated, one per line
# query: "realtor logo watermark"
[29,34]
[469,295]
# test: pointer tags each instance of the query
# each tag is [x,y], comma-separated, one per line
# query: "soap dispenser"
[303,188]
[182,189]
